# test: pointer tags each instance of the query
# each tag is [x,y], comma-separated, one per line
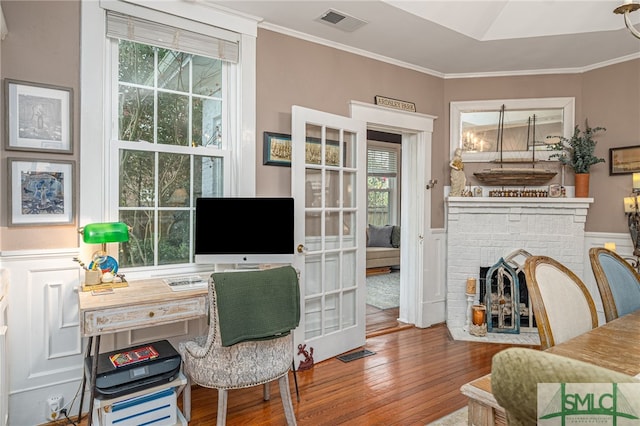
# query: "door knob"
[301,248]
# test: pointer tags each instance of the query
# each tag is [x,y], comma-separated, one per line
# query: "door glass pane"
[331,313]
[332,148]
[313,185]
[332,272]
[348,269]
[349,308]
[313,221]
[333,188]
[349,149]
[313,151]
[332,228]
[349,189]
[313,277]
[313,318]
[349,229]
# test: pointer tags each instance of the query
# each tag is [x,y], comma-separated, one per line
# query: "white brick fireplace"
[481,230]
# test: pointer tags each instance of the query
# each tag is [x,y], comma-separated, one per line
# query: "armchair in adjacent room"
[618,282]
[249,342]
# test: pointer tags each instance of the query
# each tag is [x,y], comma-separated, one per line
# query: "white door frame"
[416,130]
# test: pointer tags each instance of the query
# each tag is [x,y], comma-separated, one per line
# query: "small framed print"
[624,161]
[38,117]
[40,192]
[555,191]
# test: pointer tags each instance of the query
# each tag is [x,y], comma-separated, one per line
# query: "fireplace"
[503,290]
[481,230]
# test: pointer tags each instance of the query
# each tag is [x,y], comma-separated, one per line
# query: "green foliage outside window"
[170,106]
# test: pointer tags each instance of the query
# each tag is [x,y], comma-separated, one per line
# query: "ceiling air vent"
[341,20]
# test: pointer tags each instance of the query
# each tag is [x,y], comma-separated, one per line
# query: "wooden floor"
[382,321]
[413,378]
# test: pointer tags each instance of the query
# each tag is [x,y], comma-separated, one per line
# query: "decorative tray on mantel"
[514,176]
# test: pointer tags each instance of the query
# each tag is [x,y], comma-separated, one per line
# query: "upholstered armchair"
[245,306]
[618,283]
[516,372]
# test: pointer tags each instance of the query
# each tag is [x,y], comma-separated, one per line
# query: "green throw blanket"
[257,305]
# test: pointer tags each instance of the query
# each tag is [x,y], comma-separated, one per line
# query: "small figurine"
[458,178]
[308,358]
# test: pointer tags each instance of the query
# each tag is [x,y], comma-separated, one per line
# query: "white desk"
[144,303]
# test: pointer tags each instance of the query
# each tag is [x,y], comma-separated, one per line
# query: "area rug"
[457,418]
[383,290]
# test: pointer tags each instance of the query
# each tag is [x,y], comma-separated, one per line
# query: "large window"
[383,183]
[170,145]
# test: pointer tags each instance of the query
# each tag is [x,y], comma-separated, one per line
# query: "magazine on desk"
[183,283]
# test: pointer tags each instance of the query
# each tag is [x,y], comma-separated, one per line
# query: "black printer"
[136,368]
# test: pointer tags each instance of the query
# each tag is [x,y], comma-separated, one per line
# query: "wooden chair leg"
[222,407]
[186,399]
[285,395]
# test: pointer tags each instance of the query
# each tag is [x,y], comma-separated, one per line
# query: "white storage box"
[153,409]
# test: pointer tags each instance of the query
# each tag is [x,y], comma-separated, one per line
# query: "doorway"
[416,130]
[384,181]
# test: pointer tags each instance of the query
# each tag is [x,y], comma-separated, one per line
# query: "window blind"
[146,32]
[382,161]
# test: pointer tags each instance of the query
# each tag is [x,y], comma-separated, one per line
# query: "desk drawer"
[112,320]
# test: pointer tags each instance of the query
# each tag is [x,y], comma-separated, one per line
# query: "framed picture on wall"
[277,150]
[38,117]
[624,160]
[40,192]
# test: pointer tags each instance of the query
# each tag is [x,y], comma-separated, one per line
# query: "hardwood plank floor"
[413,379]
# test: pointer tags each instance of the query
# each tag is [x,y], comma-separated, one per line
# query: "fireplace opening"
[503,290]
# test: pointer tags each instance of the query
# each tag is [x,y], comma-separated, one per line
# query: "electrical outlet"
[53,407]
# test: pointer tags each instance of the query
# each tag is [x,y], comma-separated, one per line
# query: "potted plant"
[578,153]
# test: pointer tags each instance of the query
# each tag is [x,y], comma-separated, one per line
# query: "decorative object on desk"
[38,117]
[40,192]
[578,153]
[458,178]
[103,233]
[92,277]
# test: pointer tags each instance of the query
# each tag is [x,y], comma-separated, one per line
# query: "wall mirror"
[526,123]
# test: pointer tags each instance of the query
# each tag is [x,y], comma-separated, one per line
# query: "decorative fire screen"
[503,289]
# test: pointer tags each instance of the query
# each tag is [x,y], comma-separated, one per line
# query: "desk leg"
[94,374]
[87,354]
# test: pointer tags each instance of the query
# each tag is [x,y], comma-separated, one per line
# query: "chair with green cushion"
[618,283]
[516,372]
[249,342]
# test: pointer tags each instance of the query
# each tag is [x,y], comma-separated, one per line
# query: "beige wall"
[43,46]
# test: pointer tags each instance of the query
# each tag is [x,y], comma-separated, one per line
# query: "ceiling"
[463,38]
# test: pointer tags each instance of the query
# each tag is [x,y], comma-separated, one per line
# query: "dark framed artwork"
[40,192]
[624,160]
[39,117]
[277,150]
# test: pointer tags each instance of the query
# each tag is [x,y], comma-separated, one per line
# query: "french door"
[328,175]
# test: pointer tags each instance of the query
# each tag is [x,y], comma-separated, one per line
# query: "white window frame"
[394,190]
[97,180]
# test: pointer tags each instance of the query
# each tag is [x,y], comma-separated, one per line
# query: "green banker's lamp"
[101,263]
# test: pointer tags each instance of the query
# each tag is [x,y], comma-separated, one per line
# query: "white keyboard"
[191,282]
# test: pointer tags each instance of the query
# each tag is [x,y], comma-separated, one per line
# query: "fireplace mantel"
[481,230]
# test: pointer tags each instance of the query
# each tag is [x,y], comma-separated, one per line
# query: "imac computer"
[244,230]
